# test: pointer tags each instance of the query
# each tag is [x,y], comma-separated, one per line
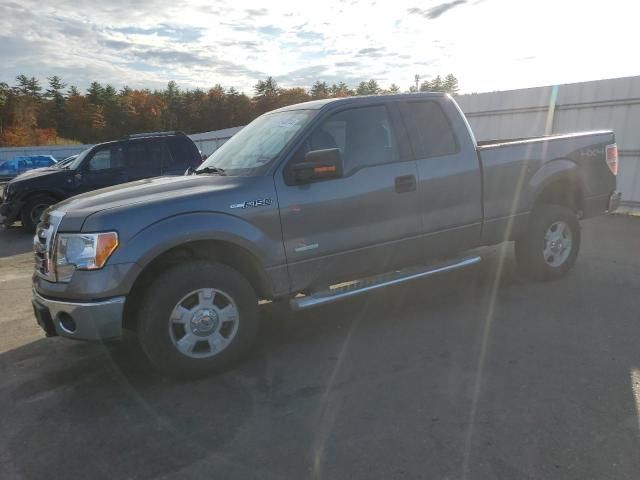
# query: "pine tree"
[451,84]
[341,90]
[55,88]
[266,88]
[320,90]
[95,93]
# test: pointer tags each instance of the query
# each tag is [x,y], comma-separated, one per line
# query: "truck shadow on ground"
[107,401]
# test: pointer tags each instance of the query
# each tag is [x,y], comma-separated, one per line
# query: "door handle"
[405,183]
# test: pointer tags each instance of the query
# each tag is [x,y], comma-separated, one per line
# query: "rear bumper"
[100,320]
[614,201]
[601,204]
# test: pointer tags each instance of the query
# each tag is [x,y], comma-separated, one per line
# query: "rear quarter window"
[430,132]
[184,154]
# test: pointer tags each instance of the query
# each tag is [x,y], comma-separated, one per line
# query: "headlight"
[9,189]
[83,251]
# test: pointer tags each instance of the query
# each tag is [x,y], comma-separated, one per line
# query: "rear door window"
[158,153]
[183,154]
[143,159]
[430,132]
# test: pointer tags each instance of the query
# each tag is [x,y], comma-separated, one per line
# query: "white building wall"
[603,104]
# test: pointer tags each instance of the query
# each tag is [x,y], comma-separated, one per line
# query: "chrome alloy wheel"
[204,323]
[558,242]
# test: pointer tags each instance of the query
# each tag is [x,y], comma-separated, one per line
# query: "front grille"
[43,245]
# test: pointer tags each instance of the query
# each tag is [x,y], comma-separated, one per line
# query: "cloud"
[270,30]
[373,52]
[257,12]
[182,34]
[117,44]
[437,11]
[199,43]
[170,56]
[310,36]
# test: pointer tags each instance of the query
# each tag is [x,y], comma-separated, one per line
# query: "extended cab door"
[449,177]
[103,167]
[362,223]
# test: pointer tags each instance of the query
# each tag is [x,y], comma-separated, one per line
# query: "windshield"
[76,163]
[66,162]
[259,143]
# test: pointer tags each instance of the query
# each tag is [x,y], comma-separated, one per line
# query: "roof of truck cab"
[362,99]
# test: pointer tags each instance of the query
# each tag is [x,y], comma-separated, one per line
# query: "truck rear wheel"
[196,318]
[548,248]
[32,210]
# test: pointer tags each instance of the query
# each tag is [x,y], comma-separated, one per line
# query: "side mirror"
[319,165]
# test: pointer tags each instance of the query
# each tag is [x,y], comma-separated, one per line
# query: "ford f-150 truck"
[310,204]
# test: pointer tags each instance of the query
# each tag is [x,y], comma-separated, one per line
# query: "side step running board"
[368,285]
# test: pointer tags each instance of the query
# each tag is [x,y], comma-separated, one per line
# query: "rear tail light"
[612,158]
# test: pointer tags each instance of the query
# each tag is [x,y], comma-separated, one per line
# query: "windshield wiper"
[214,170]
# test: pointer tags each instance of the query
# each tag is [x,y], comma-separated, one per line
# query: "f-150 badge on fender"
[261,202]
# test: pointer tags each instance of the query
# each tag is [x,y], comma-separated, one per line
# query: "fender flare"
[170,232]
[163,235]
[551,172]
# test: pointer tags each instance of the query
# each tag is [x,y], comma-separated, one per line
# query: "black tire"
[31,211]
[165,293]
[530,247]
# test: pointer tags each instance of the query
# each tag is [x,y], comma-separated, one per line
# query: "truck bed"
[514,172]
[502,141]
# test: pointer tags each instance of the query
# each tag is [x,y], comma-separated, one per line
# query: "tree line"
[31,114]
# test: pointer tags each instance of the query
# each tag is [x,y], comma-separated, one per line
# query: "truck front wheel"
[196,318]
[549,246]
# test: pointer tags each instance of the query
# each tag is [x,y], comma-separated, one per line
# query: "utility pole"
[417,77]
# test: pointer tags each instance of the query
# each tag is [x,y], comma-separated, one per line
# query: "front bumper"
[99,320]
[10,211]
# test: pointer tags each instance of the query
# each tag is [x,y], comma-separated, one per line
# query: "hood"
[131,206]
[153,193]
[40,173]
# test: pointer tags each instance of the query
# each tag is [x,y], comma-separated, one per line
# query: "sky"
[488,44]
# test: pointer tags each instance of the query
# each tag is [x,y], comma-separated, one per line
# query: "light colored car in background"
[10,169]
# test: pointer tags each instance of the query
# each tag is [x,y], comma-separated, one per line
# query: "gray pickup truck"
[309,204]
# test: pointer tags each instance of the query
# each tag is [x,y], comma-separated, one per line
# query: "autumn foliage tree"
[31,114]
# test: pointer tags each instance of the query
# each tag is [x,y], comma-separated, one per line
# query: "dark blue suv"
[134,158]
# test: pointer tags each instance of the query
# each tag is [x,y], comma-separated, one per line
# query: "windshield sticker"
[292,122]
